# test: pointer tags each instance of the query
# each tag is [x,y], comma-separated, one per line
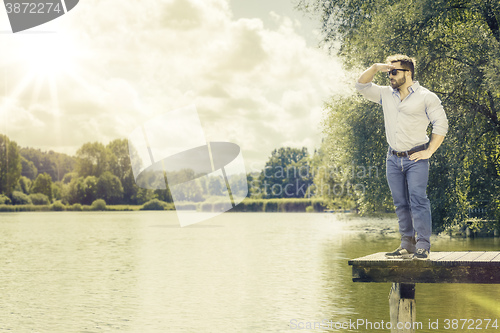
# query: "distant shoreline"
[247,205]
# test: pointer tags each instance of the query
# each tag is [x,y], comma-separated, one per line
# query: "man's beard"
[398,83]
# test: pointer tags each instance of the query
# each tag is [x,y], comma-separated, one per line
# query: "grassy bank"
[57,208]
[279,205]
[248,205]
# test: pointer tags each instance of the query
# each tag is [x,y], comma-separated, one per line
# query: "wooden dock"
[442,267]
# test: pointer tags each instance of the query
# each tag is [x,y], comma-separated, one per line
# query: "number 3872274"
[470,324]
[33,7]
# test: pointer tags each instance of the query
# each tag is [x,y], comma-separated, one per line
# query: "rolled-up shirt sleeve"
[436,114]
[370,91]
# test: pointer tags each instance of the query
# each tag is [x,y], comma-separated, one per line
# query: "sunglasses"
[394,72]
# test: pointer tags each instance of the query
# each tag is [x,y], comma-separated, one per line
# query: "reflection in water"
[239,272]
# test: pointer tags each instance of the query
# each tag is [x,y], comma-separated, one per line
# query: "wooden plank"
[379,256]
[454,256]
[474,258]
[374,257]
[471,256]
[488,256]
[438,255]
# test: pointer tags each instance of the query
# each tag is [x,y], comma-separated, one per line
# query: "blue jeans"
[408,183]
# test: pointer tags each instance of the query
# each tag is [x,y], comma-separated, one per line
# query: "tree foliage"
[92,159]
[109,188]
[43,184]
[10,165]
[19,198]
[29,169]
[24,185]
[457,47]
[52,163]
[356,149]
[286,174]
[39,199]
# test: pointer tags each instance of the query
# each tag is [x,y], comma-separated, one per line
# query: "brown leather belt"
[409,152]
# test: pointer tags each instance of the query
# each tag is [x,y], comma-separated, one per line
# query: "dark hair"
[406,62]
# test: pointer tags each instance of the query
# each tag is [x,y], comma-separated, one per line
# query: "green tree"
[119,160]
[55,164]
[69,177]
[81,190]
[5,200]
[39,199]
[120,166]
[239,185]
[98,204]
[191,190]
[354,167]
[90,190]
[254,185]
[109,188]
[29,169]
[92,159]
[457,47]
[57,190]
[10,165]
[142,196]
[286,174]
[24,185]
[163,195]
[19,198]
[216,186]
[43,184]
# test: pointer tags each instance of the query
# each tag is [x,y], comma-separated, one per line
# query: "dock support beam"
[402,307]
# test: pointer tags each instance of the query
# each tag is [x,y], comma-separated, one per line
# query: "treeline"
[293,173]
[97,171]
[286,174]
[29,176]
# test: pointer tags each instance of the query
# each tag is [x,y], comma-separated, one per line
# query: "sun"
[47,55]
[41,61]
[37,67]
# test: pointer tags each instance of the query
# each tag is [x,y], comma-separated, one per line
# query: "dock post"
[402,307]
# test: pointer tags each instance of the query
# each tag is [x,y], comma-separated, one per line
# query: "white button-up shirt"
[406,121]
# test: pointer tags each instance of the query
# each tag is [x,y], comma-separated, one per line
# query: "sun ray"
[11,98]
[38,84]
[56,111]
[41,62]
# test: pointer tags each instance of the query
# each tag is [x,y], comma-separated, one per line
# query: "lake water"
[238,272]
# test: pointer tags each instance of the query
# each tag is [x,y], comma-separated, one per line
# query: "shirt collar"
[411,89]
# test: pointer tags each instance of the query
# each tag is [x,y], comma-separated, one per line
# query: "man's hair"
[406,62]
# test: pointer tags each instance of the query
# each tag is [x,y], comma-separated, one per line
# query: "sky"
[253,69]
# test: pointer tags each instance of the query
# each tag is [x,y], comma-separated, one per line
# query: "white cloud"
[253,86]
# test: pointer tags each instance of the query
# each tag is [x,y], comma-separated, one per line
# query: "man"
[408,109]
